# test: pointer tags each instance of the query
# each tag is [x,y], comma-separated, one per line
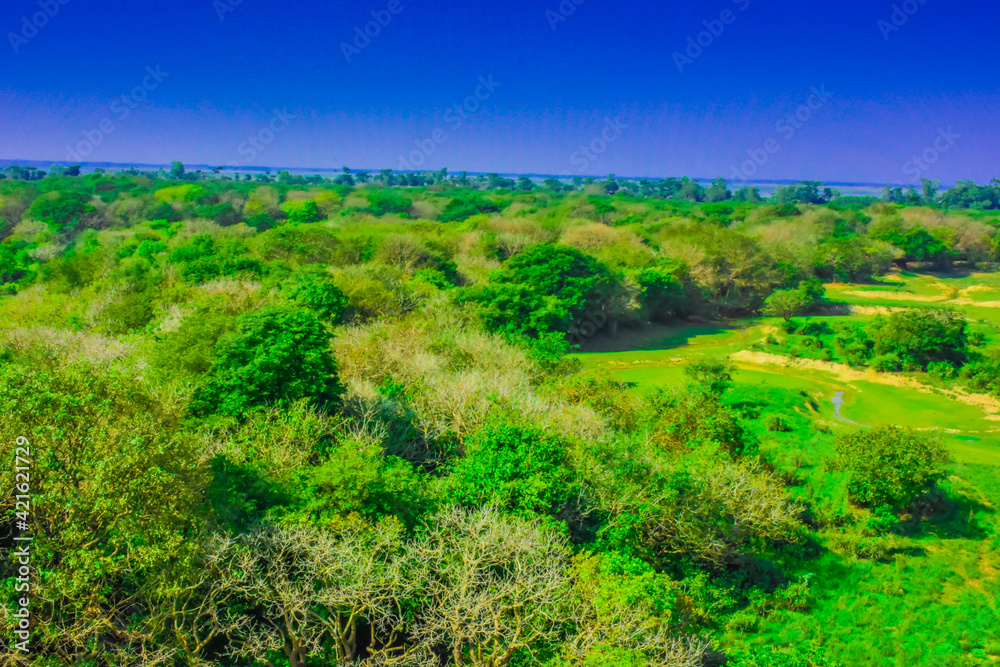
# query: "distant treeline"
[966,194]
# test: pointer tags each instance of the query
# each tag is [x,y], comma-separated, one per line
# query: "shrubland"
[326,423]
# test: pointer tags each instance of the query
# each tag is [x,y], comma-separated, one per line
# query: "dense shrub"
[62,212]
[381,202]
[918,337]
[460,209]
[545,289]
[889,465]
[276,355]
[515,468]
[318,293]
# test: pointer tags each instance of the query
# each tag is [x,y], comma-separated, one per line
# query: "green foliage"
[222,214]
[63,212]
[318,293]
[180,193]
[462,208]
[381,202]
[301,211]
[984,372]
[514,467]
[114,498]
[918,337]
[190,348]
[273,356]
[788,303]
[664,294]
[201,259]
[713,514]
[360,479]
[545,289]
[890,465]
[14,260]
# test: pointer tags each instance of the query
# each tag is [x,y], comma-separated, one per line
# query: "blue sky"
[544,87]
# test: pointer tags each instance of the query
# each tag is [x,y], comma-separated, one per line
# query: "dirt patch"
[969,302]
[899,296]
[875,310]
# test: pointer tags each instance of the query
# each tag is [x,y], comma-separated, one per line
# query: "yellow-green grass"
[976,294]
[964,428]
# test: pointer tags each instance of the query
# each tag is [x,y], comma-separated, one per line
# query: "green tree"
[664,296]
[515,468]
[381,202]
[301,211]
[359,478]
[61,211]
[718,191]
[545,289]
[274,356]
[920,336]
[115,508]
[890,466]
[787,303]
[176,170]
[318,293]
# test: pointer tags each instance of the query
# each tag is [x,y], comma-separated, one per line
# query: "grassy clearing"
[932,596]
[977,294]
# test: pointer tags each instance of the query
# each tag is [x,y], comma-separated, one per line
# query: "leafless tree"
[496,584]
[297,586]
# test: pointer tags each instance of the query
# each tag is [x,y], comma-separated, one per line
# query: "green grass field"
[933,598]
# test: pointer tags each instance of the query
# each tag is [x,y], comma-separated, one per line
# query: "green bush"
[361,479]
[318,293]
[61,213]
[777,424]
[274,356]
[514,467]
[889,465]
[918,337]
[300,211]
[190,348]
[546,289]
[886,363]
[381,202]
[460,209]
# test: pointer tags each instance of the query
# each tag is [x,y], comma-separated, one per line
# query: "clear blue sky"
[221,79]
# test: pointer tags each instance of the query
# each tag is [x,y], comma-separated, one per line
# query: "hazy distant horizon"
[765,186]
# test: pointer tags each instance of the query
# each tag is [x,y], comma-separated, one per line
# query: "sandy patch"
[969,302]
[898,296]
[875,310]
